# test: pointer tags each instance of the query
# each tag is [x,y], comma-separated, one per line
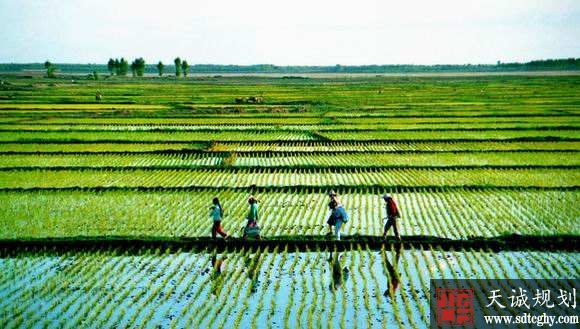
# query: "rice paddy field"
[104,206]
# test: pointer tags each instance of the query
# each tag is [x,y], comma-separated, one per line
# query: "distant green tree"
[95,75]
[111,66]
[117,66]
[140,66]
[133,68]
[160,68]
[177,62]
[123,67]
[50,69]
[184,67]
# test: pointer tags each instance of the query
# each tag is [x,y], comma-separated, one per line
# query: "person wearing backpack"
[392,215]
[216,213]
[340,216]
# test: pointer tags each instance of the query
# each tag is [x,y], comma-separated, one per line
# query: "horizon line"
[310,65]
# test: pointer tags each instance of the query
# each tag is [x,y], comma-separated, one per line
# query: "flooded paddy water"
[247,287]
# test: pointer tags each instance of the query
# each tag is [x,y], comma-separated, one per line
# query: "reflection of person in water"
[339,274]
[253,271]
[393,275]
[216,271]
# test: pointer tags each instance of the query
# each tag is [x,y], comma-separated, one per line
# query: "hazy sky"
[297,32]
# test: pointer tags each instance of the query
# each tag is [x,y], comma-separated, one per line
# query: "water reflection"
[252,263]
[215,275]
[339,273]
[393,276]
[217,264]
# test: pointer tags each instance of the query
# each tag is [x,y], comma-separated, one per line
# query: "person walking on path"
[392,216]
[252,228]
[216,214]
[332,218]
[339,215]
[252,216]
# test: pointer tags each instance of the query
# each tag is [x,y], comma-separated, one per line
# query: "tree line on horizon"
[139,67]
[120,67]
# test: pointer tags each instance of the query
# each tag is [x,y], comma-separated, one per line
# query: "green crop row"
[404,159]
[91,107]
[378,146]
[221,135]
[448,135]
[178,136]
[269,177]
[113,160]
[295,146]
[98,147]
[291,160]
[386,126]
[408,110]
[305,119]
[300,119]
